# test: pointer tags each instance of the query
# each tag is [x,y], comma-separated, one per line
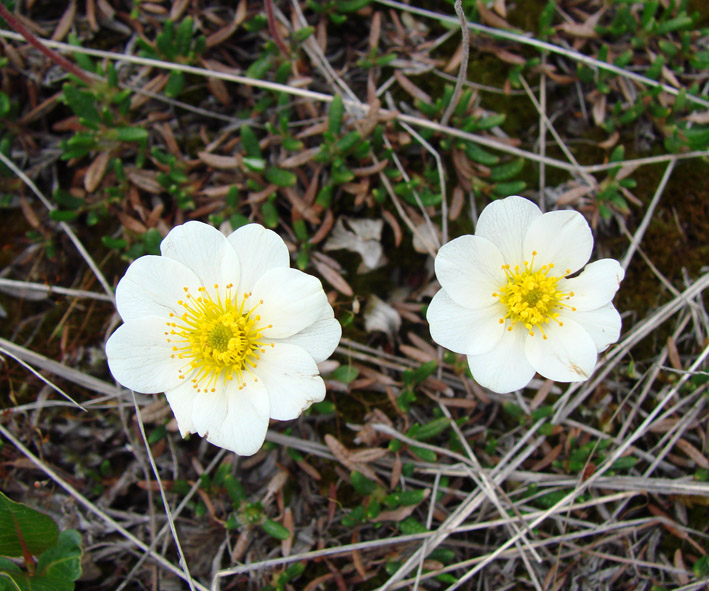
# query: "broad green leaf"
[21,527]
[62,564]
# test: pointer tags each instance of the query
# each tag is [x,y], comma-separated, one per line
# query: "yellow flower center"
[531,297]
[218,339]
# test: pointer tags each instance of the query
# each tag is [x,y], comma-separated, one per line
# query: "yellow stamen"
[531,297]
[218,338]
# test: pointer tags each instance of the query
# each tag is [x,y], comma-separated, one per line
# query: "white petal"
[568,354]
[259,250]
[469,268]
[292,300]
[152,286]
[505,367]
[206,251]
[321,338]
[595,286]
[603,324]
[291,378]
[505,223]
[233,418]
[464,330]
[139,356]
[181,400]
[560,237]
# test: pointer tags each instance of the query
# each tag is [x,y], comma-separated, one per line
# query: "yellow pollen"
[219,339]
[532,298]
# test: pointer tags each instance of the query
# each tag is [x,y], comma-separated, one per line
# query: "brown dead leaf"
[65,22]
[289,524]
[411,88]
[490,18]
[345,457]
[673,354]
[144,179]
[178,7]
[573,195]
[29,213]
[333,277]
[309,470]
[218,161]
[324,229]
[96,171]
[130,223]
[697,456]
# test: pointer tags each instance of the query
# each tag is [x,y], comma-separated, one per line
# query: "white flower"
[508,301]
[226,329]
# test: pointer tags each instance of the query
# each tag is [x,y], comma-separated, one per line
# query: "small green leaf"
[477,154]
[131,134]
[411,526]
[82,103]
[260,67]
[345,374]
[280,177]
[175,84]
[275,530]
[362,484]
[431,429]
[337,110]
[234,489]
[250,142]
[350,5]
[507,170]
[701,567]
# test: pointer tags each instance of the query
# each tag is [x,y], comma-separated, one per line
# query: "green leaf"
[270,214]
[22,528]
[362,484]
[250,142]
[431,429]
[701,567]
[183,39]
[350,5]
[234,489]
[345,374]
[62,564]
[280,177]
[82,103]
[131,134]
[507,170]
[491,121]
[337,110]
[175,84]
[275,530]
[477,154]
[411,526]
[255,164]
[260,67]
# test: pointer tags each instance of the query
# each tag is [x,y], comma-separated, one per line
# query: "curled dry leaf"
[362,236]
[380,316]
